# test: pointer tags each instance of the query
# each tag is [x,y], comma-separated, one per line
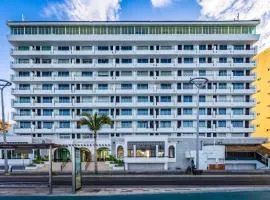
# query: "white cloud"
[160,3]
[88,10]
[247,9]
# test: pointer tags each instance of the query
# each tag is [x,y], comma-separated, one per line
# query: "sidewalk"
[104,191]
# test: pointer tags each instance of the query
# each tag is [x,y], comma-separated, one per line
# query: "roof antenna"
[22,17]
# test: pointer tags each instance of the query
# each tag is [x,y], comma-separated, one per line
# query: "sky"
[113,10]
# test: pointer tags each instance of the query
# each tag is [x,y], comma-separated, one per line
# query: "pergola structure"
[27,147]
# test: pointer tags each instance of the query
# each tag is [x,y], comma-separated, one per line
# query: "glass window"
[64,124]
[187,111]
[47,112]
[126,124]
[237,124]
[126,111]
[142,111]
[103,86]
[87,74]
[165,99]
[222,111]
[188,60]
[237,111]
[165,124]
[222,124]
[165,86]
[47,99]
[187,123]
[48,125]
[165,111]
[142,86]
[64,112]
[187,98]
[126,99]
[142,124]
[142,98]
[103,111]
[126,86]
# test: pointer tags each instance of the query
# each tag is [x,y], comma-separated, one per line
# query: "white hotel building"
[138,74]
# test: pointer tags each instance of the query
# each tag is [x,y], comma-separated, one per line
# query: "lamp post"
[199,82]
[3,84]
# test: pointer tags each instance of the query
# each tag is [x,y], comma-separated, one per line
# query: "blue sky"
[126,10]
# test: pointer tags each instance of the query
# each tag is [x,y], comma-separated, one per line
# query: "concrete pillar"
[134,151]
[156,150]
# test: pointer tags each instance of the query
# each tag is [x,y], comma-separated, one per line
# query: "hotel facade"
[137,73]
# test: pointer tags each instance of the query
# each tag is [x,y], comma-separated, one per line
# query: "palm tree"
[95,123]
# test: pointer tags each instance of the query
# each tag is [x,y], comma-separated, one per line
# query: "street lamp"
[3,84]
[199,82]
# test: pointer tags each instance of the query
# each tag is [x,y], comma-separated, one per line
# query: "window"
[222,86]
[222,60]
[24,74]
[238,72]
[202,98]
[165,111]
[188,60]
[142,60]
[222,72]
[64,112]
[238,47]
[103,86]
[103,61]
[126,124]
[237,124]
[202,72]
[165,124]
[126,112]
[222,124]
[187,99]
[188,47]
[126,99]
[24,86]
[87,61]
[238,86]
[47,112]
[103,74]
[223,47]
[142,98]
[64,124]
[202,60]
[165,60]
[202,111]
[84,74]
[142,124]
[126,60]
[63,86]
[142,73]
[187,111]
[64,100]
[48,125]
[25,112]
[24,100]
[63,48]
[202,124]
[142,86]
[46,74]
[222,111]
[237,111]
[238,60]
[165,86]
[47,99]
[103,111]
[126,48]
[103,48]
[187,86]
[63,74]
[24,124]
[187,123]
[165,99]
[142,111]
[202,47]
[126,86]
[171,152]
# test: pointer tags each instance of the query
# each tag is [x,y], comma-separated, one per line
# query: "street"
[139,180]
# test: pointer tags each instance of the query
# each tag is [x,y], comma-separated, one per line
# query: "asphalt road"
[140,180]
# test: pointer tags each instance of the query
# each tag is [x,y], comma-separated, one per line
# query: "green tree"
[94,123]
